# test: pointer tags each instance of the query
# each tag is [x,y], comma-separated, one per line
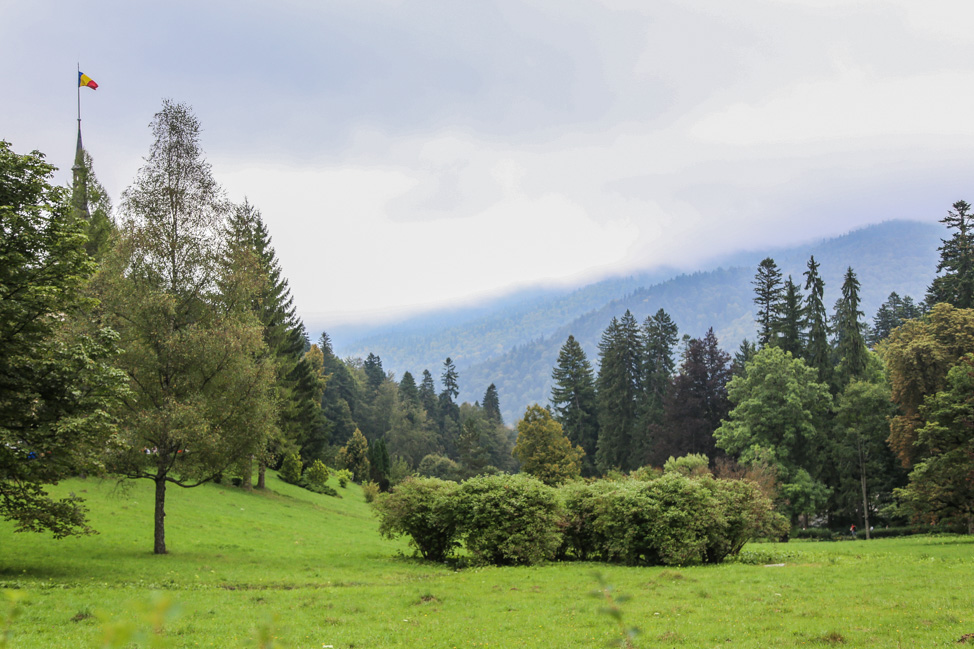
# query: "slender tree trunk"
[865,499]
[160,518]
[247,474]
[261,470]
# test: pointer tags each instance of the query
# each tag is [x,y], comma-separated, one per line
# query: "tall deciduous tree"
[918,356]
[56,380]
[942,483]
[865,465]
[618,391]
[573,400]
[955,282]
[543,450]
[778,417]
[201,383]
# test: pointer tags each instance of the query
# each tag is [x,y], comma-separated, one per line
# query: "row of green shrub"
[516,519]
[825,534]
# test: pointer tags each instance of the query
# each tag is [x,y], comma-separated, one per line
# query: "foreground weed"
[613,608]
[13,599]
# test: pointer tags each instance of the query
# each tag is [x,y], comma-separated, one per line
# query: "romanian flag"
[85,80]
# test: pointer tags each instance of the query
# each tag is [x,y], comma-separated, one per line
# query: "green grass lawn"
[312,571]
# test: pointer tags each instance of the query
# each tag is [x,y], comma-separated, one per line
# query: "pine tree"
[339,399]
[891,314]
[955,281]
[408,391]
[660,335]
[427,395]
[818,351]
[573,401]
[448,410]
[374,374]
[790,325]
[850,344]
[696,403]
[618,392]
[768,296]
[492,405]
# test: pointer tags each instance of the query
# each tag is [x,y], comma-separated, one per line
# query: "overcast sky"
[412,154]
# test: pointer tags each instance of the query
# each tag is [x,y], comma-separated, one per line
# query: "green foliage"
[617,393]
[57,386]
[778,416]
[354,456]
[692,464]
[955,281]
[291,468]
[543,450]
[672,520]
[508,519]
[438,466]
[573,401]
[424,509]
[941,487]
[370,490]
[344,476]
[317,473]
[918,356]
[768,297]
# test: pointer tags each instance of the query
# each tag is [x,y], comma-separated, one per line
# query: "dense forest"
[159,340]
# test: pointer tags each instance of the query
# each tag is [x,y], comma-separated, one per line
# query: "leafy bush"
[672,520]
[317,474]
[291,468]
[509,519]
[370,489]
[692,464]
[438,466]
[344,477]
[424,510]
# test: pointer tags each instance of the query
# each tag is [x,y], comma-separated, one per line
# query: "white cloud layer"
[418,153]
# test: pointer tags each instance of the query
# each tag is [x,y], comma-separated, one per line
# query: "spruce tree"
[955,281]
[660,335]
[618,392]
[339,399]
[850,346]
[768,295]
[573,401]
[818,351]
[492,405]
[790,325]
[695,404]
[891,314]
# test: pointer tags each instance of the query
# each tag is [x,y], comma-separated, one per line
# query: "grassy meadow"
[288,568]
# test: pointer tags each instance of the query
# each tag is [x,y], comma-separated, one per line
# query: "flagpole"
[79,96]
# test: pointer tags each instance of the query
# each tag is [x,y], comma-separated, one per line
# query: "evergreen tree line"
[837,415]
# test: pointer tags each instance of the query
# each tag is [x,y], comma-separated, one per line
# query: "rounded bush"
[424,510]
[509,519]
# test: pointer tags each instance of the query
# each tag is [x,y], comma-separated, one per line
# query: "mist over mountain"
[513,341]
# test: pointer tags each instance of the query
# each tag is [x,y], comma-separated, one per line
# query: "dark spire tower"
[79,189]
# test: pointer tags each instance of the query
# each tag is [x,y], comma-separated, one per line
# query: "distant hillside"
[516,346]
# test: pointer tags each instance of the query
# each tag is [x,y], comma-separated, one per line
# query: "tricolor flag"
[85,80]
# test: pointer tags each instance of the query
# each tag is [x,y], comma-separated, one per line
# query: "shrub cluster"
[515,519]
[314,479]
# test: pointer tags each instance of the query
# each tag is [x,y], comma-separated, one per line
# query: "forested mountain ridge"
[517,347]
